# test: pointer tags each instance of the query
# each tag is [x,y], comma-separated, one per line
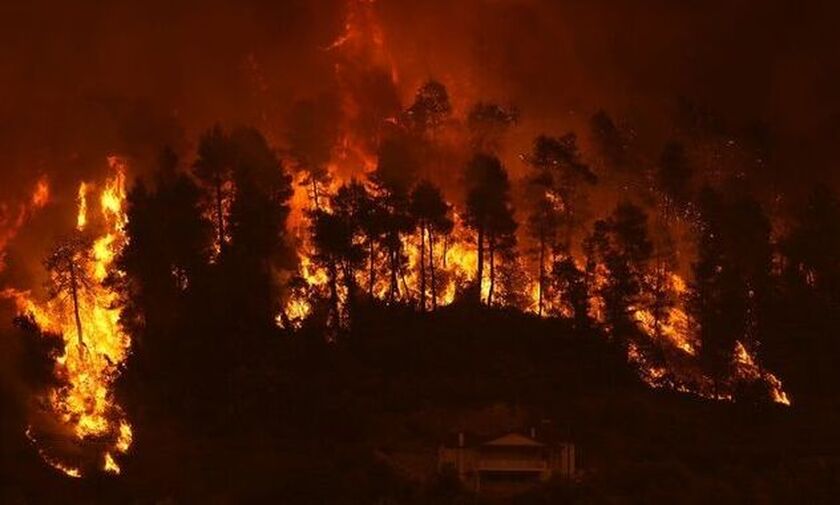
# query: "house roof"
[509,437]
[513,439]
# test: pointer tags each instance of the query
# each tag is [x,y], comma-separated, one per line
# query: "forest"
[302,305]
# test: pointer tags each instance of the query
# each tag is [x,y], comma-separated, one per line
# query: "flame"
[12,221]
[41,195]
[674,326]
[110,465]
[362,44]
[674,329]
[749,369]
[85,403]
[81,215]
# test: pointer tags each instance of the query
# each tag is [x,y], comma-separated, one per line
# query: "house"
[509,463]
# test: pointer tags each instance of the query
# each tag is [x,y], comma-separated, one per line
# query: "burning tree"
[364,213]
[393,178]
[609,139]
[621,248]
[213,168]
[556,202]
[488,122]
[731,279]
[431,213]
[561,172]
[543,224]
[571,282]
[336,250]
[84,311]
[312,133]
[674,177]
[430,109]
[489,214]
[69,267]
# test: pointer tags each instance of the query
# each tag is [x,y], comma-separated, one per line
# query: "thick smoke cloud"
[749,63]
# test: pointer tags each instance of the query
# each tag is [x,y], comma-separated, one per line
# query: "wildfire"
[453,258]
[674,329]
[674,326]
[88,322]
[749,369]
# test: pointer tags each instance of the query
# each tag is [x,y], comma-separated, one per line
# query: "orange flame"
[85,403]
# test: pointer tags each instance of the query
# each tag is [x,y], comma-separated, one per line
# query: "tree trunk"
[220,216]
[404,283]
[492,245]
[334,301]
[394,289]
[658,301]
[422,268]
[542,274]
[480,270]
[432,267]
[74,292]
[372,275]
[315,199]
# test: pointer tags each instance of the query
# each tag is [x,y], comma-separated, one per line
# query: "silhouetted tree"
[662,297]
[813,246]
[620,244]
[359,207]
[674,177]
[570,282]
[608,139]
[337,251]
[489,212]
[487,123]
[431,214]
[312,133]
[395,173]
[558,169]
[259,248]
[168,245]
[163,287]
[803,345]
[213,169]
[68,266]
[543,223]
[716,301]
[430,109]
[554,198]
[731,279]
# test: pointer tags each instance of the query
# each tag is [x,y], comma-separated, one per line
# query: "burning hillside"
[324,182]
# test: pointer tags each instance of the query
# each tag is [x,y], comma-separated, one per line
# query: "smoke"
[86,77]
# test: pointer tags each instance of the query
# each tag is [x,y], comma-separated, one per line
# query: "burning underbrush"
[667,358]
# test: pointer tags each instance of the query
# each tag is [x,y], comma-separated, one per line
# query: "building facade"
[510,463]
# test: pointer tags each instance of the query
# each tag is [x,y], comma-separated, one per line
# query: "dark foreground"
[309,423]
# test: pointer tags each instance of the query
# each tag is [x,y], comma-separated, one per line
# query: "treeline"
[209,254]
